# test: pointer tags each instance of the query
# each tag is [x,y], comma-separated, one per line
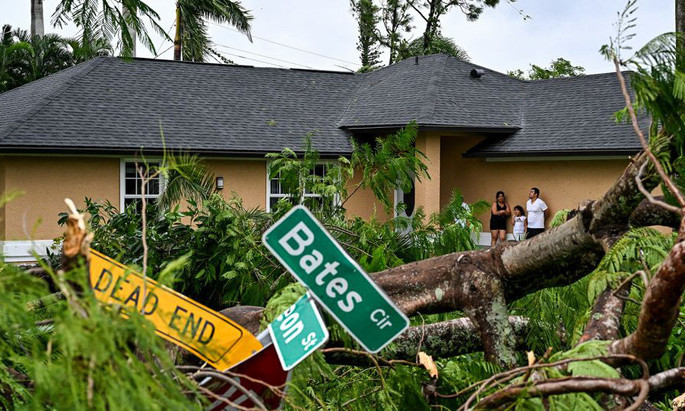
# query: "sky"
[323,34]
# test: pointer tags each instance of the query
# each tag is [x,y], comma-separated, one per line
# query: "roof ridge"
[223,65]
[352,98]
[430,96]
[50,97]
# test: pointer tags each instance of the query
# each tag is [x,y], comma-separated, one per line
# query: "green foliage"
[557,68]
[559,218]
[284,298]
[106,19]
[366,13]
[557,316]
[392,162]
[639,247]
[25,58]
[309,181]
[89,356]
[438,44]
[186,177]
[195,41]
[395,20]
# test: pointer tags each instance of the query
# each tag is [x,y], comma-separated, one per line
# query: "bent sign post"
[298,332]
[309,252]
[204,332]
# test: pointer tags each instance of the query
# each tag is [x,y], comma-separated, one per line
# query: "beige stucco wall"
[562,183]
[363,203]
[428,191]
[46,181]
[246,178]
[2,191]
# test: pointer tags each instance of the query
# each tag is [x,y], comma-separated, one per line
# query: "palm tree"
[10,75]
[191,41]
[107,18]
[37,26]
[86,49]
[39,56]
[186,177]
[25,58]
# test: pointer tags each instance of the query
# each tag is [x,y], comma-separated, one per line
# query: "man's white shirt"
[536,213]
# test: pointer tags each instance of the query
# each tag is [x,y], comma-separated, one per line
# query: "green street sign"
[309,252]
[298,332]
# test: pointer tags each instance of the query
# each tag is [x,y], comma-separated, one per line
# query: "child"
[520,224]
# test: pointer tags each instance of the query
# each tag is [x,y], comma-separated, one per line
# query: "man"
[535,208]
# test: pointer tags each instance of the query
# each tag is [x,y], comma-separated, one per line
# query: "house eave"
[437,127]
[553,154]
[114,151]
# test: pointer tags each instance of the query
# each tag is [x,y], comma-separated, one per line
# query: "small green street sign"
[298,332]
[309,252]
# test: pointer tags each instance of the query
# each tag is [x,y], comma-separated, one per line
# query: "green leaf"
[593,368]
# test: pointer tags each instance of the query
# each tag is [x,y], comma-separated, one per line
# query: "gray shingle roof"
[438,91]
[111,105]
[572,116]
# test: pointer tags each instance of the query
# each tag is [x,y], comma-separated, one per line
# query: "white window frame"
[122,183]
[269,195]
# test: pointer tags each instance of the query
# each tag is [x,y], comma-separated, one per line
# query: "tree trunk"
[481,283]
[179,33]
[37,25]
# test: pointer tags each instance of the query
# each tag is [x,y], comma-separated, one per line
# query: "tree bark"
[37,25]
[482,282]
[605,319]
[660,307]
[680,16]
[178,34]
[647,214]
[441,340]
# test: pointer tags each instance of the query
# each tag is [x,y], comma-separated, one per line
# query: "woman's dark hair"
[497,195]
[518,207]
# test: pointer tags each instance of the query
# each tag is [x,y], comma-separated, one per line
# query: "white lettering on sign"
[381,319]
[294,234]
[292,326]
[295,242]
[309,341]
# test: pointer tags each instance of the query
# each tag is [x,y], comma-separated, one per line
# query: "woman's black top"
[498,222]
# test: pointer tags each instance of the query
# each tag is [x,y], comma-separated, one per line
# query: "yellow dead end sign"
[201,330]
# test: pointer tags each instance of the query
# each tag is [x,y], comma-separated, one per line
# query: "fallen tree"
[483,283]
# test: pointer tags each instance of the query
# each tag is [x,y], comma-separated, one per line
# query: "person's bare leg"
[502,235]
[493,237]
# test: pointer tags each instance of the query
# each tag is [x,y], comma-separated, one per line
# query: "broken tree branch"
[660,307]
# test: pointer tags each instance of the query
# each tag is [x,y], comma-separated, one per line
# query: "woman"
[498,218]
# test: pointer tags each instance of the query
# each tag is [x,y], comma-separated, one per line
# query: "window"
[131,184]
[275,191]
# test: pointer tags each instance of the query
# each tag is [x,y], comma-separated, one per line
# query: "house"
[74,133]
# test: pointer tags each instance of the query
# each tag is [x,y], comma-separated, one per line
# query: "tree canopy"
[27,58]
[557,68]
[439,44]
